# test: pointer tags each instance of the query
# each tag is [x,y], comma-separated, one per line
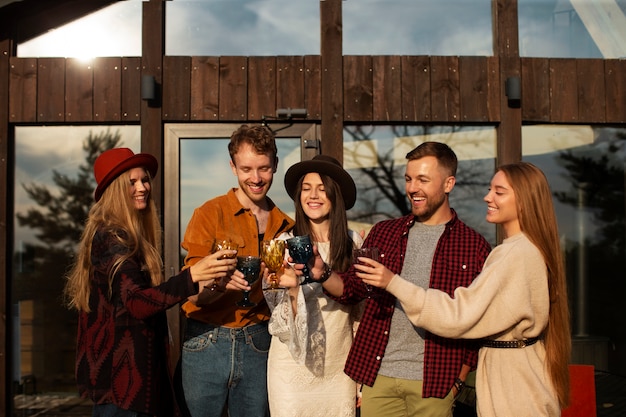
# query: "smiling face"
[426,185]
[254,172]
[502,205]
[139,187]
[313,198]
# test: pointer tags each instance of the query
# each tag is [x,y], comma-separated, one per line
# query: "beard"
[433,204]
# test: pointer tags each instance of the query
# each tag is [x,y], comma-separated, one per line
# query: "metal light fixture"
[513,91]
[148,87]
[290,113]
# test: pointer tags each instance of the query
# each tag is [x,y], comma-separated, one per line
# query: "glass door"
[196,169]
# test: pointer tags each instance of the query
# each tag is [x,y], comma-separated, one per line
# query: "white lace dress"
[308,352]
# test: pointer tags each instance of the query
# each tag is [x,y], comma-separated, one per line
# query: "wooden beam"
[505,35]
[5,213]
[332,78]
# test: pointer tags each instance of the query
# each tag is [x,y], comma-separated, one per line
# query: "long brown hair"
[139,231]
[538,222]
[340,253]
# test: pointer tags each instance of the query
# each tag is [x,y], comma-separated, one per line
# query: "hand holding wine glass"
[250,267]
[301,251]
[273,254]
[225,244]
[371,253]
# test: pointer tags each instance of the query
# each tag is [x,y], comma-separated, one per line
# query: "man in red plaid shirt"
[405,370]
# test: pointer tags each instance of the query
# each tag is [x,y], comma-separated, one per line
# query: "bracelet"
[459,384]
[328,271]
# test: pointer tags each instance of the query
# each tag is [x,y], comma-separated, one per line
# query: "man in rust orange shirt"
[225,346]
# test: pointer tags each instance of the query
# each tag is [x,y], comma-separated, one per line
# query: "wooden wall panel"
[78,91]
[415,89]
[445,89]
[563,91]
[176,88]
[107,94]
[615,78]
[131,89]
[474,88]
[261,87]
[313,86]
[289,82]
[357,88]
[51,90]
[401,89]
[205,82]
[535,89]
[23,90]
[387,88]
[233,88]
[494,90]
[591,91]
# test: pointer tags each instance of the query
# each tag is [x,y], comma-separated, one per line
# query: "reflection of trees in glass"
[379,194]
[380,177]
[599,172]
[58,219]
[597,257]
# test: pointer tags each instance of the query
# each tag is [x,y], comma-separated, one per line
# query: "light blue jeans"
[222,365]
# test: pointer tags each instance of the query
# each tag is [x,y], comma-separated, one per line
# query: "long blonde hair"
[139,231]
[538,222]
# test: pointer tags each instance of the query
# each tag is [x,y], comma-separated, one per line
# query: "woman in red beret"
[117,286]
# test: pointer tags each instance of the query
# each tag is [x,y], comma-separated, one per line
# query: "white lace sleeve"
[291,329]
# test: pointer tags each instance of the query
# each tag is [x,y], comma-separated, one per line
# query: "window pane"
[244,28]
[47,225]
[112,31]
[572,29]
[380,192]
[417,27]
[586,168]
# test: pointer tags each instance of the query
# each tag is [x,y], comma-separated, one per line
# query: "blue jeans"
[111,410]
[225,365]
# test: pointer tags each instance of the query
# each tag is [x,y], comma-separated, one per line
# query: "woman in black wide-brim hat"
[312,334]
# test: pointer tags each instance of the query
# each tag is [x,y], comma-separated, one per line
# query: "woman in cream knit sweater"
[518,304]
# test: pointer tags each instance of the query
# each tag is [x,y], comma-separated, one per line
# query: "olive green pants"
[394,397]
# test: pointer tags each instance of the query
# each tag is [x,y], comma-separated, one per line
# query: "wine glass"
[301,250]
[225,244]
[250,266]
[273,254]
[371,253]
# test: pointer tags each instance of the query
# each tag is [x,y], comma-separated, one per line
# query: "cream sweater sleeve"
[508,300]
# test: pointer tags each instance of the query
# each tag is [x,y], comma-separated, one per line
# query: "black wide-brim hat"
[112,163]
[322,164]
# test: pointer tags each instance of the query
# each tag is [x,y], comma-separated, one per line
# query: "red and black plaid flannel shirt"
[458,259]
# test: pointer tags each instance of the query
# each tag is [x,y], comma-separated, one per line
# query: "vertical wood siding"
[376,89]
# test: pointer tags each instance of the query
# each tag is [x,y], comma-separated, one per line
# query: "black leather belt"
[509,344]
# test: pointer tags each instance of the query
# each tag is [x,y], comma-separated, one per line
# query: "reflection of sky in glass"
[205,173]
[417,27]
[547,28]
[562,29]
[112,31]
[243,27]
[41,150]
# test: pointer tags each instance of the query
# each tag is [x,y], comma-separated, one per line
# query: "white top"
[308,351]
